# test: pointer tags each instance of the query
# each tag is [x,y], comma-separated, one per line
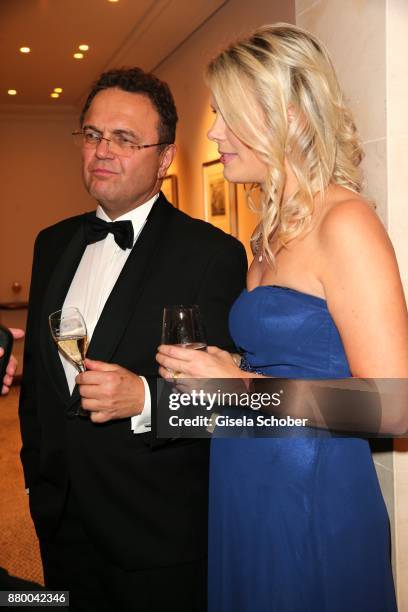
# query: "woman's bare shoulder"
[350,221]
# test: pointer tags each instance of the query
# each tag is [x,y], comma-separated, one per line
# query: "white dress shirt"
[96,275]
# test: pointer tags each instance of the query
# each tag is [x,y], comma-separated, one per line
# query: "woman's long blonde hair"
[254,83]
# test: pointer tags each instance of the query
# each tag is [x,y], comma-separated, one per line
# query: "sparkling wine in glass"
[69,332]
[183,325]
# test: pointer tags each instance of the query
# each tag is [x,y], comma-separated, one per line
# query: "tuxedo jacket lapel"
[66,263]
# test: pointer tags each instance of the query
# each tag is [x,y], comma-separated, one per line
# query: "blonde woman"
[299,525]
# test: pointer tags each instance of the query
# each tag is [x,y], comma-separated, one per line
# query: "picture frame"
[220,198]
[170,190]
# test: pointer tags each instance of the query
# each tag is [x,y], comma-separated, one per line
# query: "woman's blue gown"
[296,525]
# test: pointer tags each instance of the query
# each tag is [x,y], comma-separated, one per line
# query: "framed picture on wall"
[169,188]
[220,198]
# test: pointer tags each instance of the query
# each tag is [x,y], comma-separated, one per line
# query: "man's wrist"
[141,423]
[139,397]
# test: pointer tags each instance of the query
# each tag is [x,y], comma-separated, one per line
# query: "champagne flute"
[183,325]
[68,330]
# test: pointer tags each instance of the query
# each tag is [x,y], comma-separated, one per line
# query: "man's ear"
[166,160]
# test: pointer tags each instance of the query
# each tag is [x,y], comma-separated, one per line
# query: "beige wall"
[369,45]
[397,164]
[397,129]
[184,73]
[41,184]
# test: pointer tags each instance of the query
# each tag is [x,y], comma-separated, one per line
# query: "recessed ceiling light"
[12,92]
[78,55]
[83,47]
[58,90]
[113,0]
[25,49]
[54,94]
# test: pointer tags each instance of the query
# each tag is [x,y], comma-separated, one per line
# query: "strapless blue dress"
[295,524]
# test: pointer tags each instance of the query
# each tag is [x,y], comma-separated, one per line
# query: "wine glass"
[69,332]
[183,325]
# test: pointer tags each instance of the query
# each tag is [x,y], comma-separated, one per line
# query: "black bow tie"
[97,229]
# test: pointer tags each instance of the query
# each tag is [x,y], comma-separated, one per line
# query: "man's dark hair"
[135,80]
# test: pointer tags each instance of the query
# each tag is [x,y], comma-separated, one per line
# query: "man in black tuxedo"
[121,515]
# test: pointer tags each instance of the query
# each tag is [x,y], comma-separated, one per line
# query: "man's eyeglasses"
[119,143]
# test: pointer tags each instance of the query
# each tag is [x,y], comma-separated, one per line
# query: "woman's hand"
[176,361]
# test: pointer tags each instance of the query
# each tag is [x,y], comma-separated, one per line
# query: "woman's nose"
[217,130]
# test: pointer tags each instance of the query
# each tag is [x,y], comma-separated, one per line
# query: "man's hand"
[109,391]
[12,364]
